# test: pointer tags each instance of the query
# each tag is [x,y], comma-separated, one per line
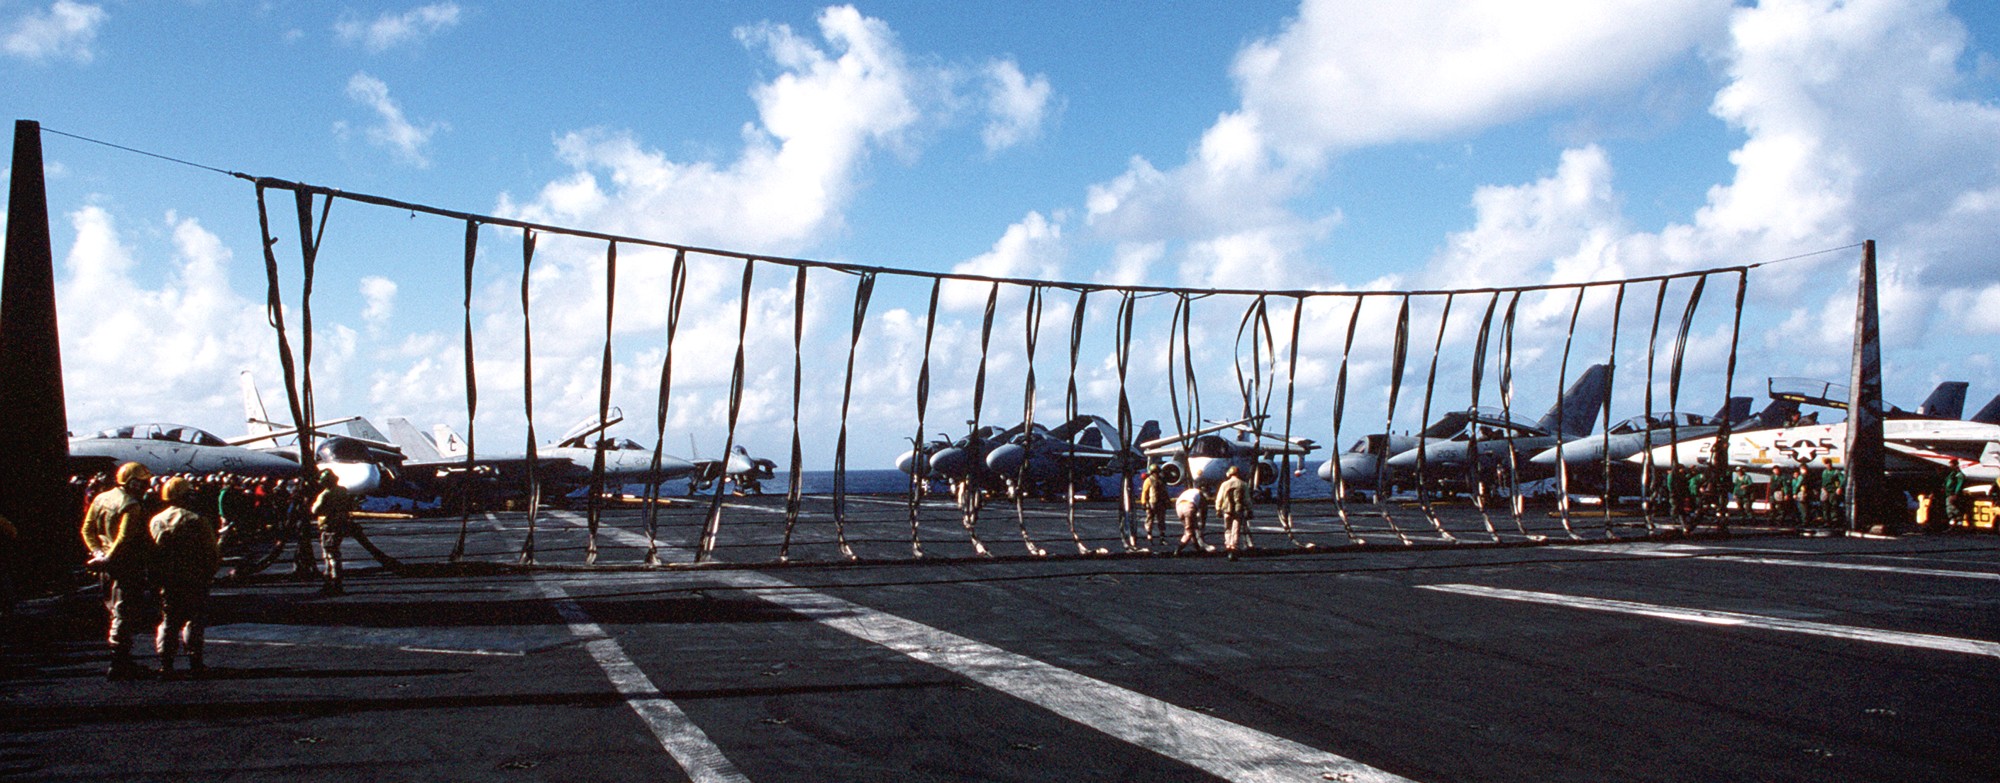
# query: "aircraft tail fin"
[255,418]
[1989,414]
[1149,431]
[1577,414]
[449,444]
[415,445]
[364,429]
[1947,401]
[1736,410]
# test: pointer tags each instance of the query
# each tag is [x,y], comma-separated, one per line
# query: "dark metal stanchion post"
[31,390]
[1867,507]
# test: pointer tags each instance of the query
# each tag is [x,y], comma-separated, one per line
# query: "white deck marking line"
[1713,617]
[1689,552]
[1222,748]
[684,741]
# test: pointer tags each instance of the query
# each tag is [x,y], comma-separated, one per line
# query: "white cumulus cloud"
[65,31]
[393,130]
[1016,104]
[397,29]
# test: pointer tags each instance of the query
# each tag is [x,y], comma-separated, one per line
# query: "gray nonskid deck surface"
[1434,664]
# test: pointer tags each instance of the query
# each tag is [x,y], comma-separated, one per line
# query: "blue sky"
[1347,144]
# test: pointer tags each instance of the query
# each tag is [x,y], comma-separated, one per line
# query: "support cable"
[1516,504]
[975,443]
[1070,414]
[1647,471]
[1719,453]
[1123,328]
[1291,385]
[1695,500]
[1610,378]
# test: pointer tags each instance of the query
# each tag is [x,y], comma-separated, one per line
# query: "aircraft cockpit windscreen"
[1487,422]
[179,433]
[1210,446]
[1659,421]
[620,444]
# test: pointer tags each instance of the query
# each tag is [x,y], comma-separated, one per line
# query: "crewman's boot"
[168,650]
[122,665]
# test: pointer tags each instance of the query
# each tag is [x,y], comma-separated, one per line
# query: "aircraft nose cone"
[1006,459]
[1326,470]
[952,462]
[1356,468]
[1547,457]
[360,478]
[1404,460]
[909,461]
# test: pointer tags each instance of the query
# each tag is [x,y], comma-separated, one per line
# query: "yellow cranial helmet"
[133,471]
[176,489]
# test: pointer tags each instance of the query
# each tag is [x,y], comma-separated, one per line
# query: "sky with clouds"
[1336,145]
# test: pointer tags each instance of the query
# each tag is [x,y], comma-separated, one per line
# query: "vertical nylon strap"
[528,406]
[1123,328]
[974,442]
[1562,384]
[863,290]
[920,463]
[1070,413]
[1610,377]
[1647,478]
[1476,466]
[1423,421]
[795,483]
[1285,471]
[471,392]
[309,244]
[676,293]
[714,524]
[594,508]
[1515,503]
[1674,396]
[1340,411]
[274,312]
[1720,451]
[1033,321]
[1397,360]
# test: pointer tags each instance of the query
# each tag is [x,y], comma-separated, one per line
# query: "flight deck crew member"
[187,552]
[1192,507]
[1739,488]
[1153,498]
[120,544]
[333,510]
[1833,496]
[1953,494]
[1232,501]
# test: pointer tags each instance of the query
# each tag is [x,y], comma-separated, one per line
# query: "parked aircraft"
[172,448]
[1048,462]
[960,460]
[1448,441]
[1585,456]
[1918,443]
[1204,456]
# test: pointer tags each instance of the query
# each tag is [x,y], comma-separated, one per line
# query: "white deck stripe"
[1712,617]
[1673,551]
[684,741]
[1222,748]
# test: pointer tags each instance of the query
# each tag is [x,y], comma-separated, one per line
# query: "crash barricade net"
[1322,423]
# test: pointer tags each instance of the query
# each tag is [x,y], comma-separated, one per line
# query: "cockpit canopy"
[179,433]
[1211,446]
[1489,423]
[620,444]
[1660,421]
